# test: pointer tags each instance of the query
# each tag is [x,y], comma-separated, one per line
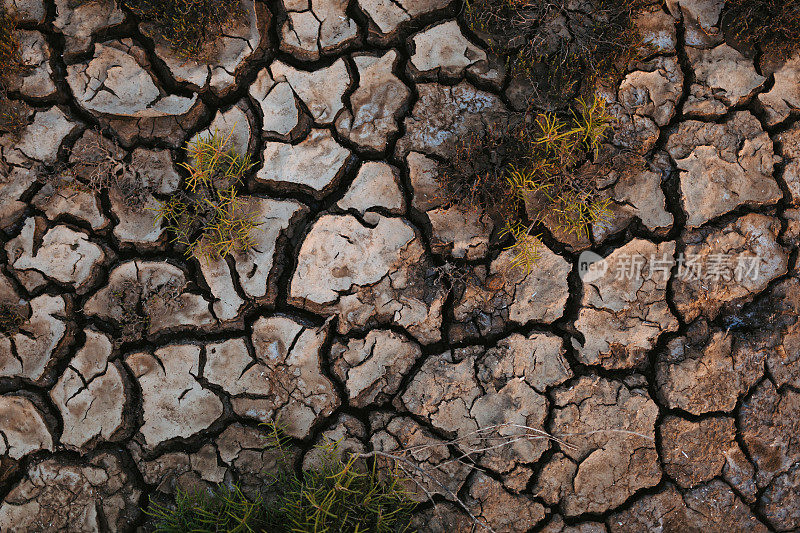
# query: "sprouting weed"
[527,248]
[577,212]
[207,216]
[594,123]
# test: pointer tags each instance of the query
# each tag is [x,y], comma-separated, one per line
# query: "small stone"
[730,265]
[63,255]
[723,78]
[376,105]
[314,166]
[783,99]
[442,51]
[723,166]
[91,394]
[624,311]
[22,427]
[695,452]
[175,404]
[377,186]
[372,368]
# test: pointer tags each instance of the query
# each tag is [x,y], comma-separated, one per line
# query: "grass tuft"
[207,216]
[771,25]
[558,45]
[188,25]
[543,162]
[339,495]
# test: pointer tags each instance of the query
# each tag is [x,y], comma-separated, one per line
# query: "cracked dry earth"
[675,399]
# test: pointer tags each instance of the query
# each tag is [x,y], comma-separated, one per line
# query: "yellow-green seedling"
[546,162]
[527,247]
[207,216]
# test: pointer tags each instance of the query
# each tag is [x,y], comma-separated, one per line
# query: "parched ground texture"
[673,394]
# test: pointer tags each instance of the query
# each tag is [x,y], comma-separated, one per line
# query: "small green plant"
[338,495]
[188,25]
[543,162]
[225,510]
[772,25]
[526,247]
[207,216]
